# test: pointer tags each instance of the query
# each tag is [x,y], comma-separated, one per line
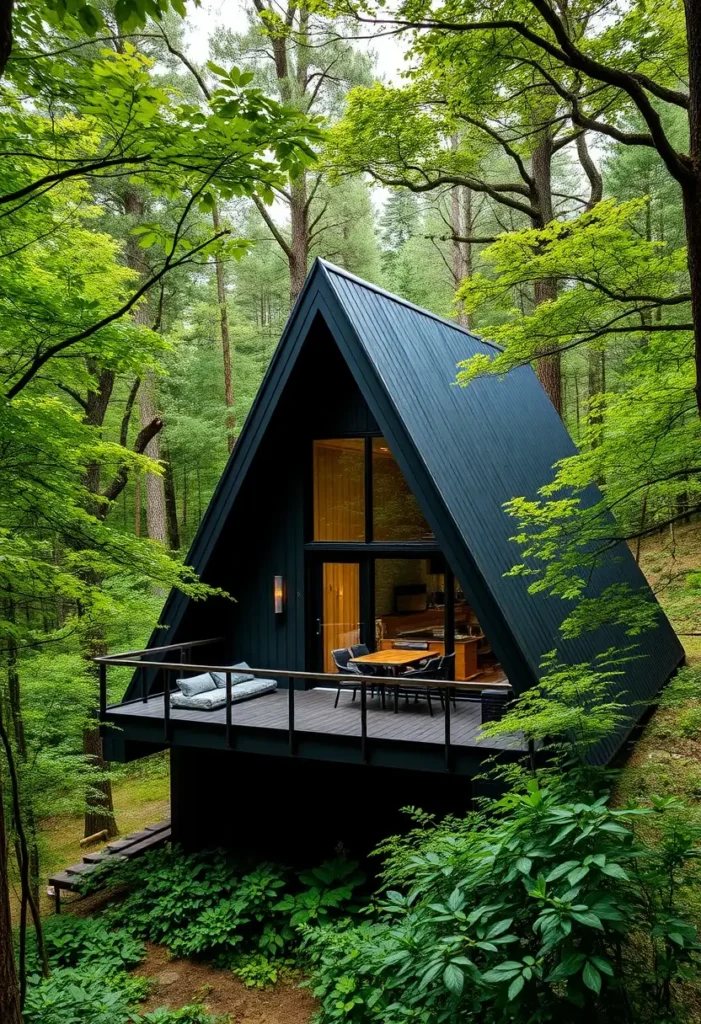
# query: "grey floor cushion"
[238,675]
[217,698]
[196,684]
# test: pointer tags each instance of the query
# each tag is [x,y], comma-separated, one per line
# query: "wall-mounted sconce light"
[279,594]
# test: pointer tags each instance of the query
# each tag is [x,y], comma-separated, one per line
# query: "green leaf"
[561,870]
[614,871]
[515,987]
[588,919]
[577,875]
[454,979]
[591,977]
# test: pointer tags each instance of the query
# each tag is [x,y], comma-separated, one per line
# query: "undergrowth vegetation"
[90,980]
[204,904]
[546,905]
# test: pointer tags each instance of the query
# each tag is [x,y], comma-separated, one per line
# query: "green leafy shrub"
[205,904]
[90,994]
[328,889]
[540,907]
[77,941]
[256,970]
[194,1014]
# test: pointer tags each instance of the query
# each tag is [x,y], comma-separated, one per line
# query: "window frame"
[339,546]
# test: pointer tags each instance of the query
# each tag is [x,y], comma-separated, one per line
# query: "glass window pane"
[396,512]
[339,489]
[410,609]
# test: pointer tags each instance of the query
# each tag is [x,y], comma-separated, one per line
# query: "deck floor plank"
[315,713]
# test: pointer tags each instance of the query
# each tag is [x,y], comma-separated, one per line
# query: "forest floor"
[178,983]
[666,759]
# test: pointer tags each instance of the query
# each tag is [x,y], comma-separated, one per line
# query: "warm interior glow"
[339,489]
[278,594]
[340,622]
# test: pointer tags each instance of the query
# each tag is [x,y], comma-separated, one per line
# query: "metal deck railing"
[135,659]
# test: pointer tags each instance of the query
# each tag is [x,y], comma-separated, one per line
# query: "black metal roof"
[464,452]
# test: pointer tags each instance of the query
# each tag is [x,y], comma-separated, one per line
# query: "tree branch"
[115,488]
[74,339]
[496,192]
[274,230]
[131,398]
[596,182]
[508,149]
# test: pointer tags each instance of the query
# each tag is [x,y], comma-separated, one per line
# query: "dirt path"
[182,982]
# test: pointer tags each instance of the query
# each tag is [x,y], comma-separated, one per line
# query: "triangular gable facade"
[463,453]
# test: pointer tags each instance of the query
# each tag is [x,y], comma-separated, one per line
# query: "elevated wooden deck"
[411,738]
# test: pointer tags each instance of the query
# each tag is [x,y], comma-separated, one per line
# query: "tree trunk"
[99,812]
[596,359]
[171,505]
[299,236]
[548,366]
[460,224]
[6,12]
[155,495]
[225,343]
[17,719]
[691,190]
[155,489]
[137,507]
[10,1012]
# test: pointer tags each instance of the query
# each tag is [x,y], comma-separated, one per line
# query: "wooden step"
[159,826]
[79,869]
[148,844]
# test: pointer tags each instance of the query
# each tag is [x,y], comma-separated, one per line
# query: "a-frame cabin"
[363,505]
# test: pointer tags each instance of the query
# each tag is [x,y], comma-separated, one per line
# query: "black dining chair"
[435,667]
[341,659]
[407,687]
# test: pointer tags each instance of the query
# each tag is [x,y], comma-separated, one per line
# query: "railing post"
[228,709]
[446,701]
[291,715]
[166,706]
[363,723]
[102,672]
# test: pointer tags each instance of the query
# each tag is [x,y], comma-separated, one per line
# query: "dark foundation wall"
[294,811]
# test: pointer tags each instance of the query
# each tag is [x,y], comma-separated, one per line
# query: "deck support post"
[228,710]
[446,702]
[363,723]
[291,715]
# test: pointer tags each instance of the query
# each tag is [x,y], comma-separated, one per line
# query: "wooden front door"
[338,621]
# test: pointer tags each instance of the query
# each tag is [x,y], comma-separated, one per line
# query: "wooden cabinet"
[465,654]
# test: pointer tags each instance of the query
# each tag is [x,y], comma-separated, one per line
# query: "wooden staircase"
[125,848]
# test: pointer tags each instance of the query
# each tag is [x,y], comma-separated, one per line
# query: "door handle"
[318,627]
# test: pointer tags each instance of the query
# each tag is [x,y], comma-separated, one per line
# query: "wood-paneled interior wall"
[341,608]
[339,490]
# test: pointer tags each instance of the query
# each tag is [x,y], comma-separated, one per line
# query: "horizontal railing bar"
[110,658]
[333,678]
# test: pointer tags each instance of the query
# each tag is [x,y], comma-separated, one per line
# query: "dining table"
[393,660]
